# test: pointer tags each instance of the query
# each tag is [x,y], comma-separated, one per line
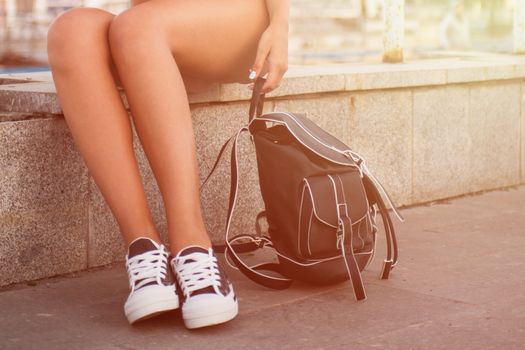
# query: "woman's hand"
[272,56]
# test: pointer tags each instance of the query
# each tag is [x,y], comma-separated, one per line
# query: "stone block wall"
[428,131]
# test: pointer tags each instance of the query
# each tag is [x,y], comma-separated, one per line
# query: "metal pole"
[393,30]
[519,27]
[40,11]
[10,22]
[94,3]
[10,14]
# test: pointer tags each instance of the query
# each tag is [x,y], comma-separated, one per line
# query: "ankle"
[187,235]
[153,235]
[178,245]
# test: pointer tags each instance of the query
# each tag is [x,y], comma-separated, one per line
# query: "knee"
[76,33]
[131,33]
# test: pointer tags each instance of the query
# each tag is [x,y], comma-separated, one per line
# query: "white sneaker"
[208,296]
[153,289]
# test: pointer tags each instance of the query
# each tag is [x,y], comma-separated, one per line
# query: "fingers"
[273,79]
[275,76]
[272,58]
[262,73]
[260,57]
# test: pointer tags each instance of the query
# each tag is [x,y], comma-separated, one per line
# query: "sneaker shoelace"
[146,268]
[197,271]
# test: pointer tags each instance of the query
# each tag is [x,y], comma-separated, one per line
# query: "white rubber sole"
[198,320]
[150,302]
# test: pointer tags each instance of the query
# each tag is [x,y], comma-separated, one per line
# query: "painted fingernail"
[252,74]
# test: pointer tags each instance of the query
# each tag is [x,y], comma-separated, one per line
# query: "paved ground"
[459,285]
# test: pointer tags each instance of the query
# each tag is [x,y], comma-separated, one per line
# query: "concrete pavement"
[459,285]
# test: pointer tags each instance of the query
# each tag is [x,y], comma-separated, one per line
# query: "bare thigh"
[211,40]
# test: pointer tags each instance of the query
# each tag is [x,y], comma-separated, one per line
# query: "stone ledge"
[434,135]
[35,92]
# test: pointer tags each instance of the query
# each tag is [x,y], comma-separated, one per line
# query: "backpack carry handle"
[257,101]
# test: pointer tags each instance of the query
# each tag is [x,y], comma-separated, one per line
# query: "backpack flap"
[309,135]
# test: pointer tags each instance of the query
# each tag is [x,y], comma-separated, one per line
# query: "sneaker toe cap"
[209,303]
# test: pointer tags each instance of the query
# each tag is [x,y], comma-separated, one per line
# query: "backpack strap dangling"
[391,241]
[256,105]
[254,273]
[345,233]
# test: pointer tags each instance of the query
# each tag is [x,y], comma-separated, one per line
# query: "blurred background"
[321,31]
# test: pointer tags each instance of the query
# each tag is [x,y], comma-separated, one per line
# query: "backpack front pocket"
[323,199]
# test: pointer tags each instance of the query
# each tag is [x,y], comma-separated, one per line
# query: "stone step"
[429,129]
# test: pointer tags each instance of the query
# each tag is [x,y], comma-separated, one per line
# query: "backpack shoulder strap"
[254,273]
[256,106]
[214,167]
[391,241]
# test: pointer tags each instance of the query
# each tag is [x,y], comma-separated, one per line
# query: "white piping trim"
[269,245]
[308,233]
[318,261]
[312,135]
[378,184]
[299,223]
[298,139]
[359,220]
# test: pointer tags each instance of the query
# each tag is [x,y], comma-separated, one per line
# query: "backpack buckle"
[340,235]
[345,211]
[261,242]
[342,210]
[340,239]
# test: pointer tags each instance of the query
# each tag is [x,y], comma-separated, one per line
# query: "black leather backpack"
[320,200]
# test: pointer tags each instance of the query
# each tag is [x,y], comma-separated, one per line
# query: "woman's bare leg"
[154,43]
[81,65]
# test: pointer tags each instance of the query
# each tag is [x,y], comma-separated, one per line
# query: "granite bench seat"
[429,129]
